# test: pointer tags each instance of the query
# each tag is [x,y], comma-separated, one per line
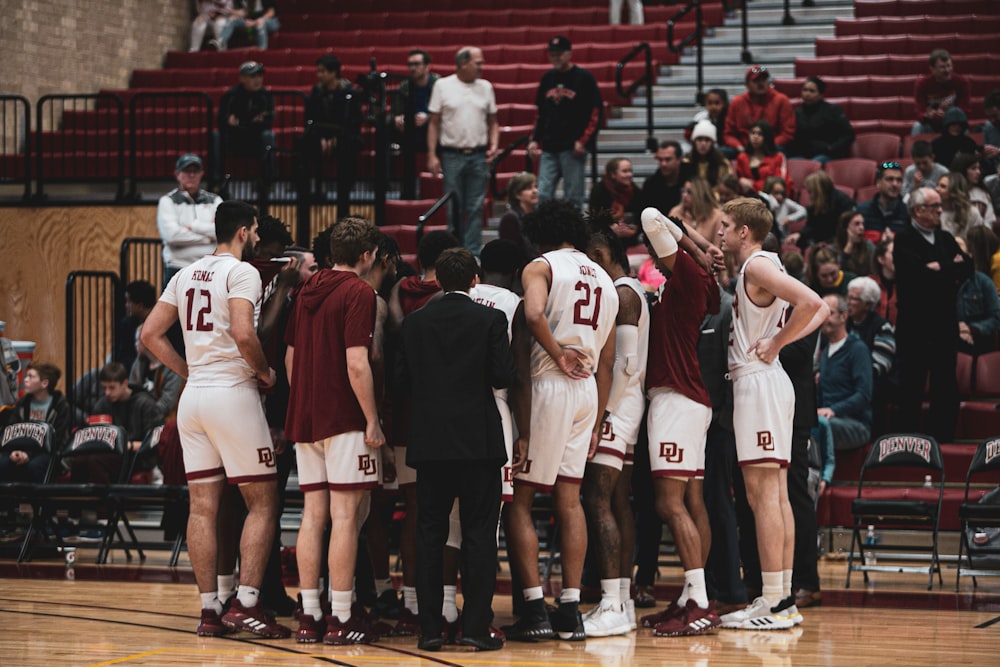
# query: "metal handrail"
[495,164]
[697,35]
[448,197]
[729,6]
[646,79]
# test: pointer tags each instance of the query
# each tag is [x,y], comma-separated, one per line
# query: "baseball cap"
[560,43]
[186,160]
[251,67]
[757,72]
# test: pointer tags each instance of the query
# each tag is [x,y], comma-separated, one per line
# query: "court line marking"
[992,621]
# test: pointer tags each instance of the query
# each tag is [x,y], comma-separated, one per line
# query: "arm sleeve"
[731,136]
[884,350]
[626,362]
[786,122]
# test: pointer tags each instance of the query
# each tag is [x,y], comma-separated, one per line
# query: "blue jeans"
[468,177]
[552,165]
[261,31]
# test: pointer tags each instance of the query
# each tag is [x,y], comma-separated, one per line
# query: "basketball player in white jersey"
[570,305]
[223,431]
[763,401]
[609,473]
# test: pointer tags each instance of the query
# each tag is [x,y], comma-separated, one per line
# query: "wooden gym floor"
[126,614]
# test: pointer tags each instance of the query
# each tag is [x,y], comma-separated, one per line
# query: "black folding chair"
[898,500]
[978,519]
[35,438]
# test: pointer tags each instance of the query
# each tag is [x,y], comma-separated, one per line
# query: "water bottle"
[871,539]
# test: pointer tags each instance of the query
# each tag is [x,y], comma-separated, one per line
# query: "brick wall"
[81,46]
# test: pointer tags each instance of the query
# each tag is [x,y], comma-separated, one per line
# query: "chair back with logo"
[33,437]
[980,516]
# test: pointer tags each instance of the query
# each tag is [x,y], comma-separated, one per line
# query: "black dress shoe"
[432,643]
[486,643]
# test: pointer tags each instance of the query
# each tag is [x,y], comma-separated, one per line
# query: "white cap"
[704,128]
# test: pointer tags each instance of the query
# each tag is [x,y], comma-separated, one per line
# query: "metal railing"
[449,198]
[647,80]
[15,142]
[696,36]
[93,308]
[141,259]
[500,157]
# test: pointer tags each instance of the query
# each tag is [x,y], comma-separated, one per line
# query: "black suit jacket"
[454,353]
[927,298]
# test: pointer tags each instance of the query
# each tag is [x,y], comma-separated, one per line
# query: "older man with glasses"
[886,211]
[929,268]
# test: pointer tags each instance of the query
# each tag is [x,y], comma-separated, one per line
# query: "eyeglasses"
[936,207]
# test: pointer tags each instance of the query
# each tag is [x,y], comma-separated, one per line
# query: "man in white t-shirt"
[220,418]
[462,138]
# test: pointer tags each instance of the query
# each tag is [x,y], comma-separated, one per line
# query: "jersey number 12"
[203,311]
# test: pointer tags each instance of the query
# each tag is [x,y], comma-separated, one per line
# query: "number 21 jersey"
[581,308]
[201,293]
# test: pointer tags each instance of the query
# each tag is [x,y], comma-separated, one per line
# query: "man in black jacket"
[455,352]
[41,402]
[246,116]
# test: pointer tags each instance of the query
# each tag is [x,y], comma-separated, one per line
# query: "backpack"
[8,380]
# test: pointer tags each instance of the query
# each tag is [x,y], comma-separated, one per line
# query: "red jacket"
[743,112]
[773,165]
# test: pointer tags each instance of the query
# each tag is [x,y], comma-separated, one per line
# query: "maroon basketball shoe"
[310,630]
[652,620]
[354,631]
[211,624]
[254,619]
[694,621]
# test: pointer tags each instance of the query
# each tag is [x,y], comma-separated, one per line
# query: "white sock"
[569,595]
[611,591]
[662,233]
[340,605]
[533,593]
[226,583]
[625,589]
[786,583]
[248,596]
[310,603]
[694,582]
[383,585]
[211,601]
[410,599]
[450,609]
[771,590]
[685,593]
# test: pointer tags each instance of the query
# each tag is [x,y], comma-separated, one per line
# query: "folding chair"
[901,459]
[48,499]
[35,438]
[975,516]
[128,497]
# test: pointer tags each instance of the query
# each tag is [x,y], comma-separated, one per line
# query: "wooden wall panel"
[39,247]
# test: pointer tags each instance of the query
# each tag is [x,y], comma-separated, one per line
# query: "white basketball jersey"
[635,391]
[751,322]
[201,293]
[581,308]
[503,300]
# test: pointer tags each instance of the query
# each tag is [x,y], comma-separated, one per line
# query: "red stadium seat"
[405,212]
[852,173]
[909,140]
[799,168]
[866,194]
[876,146]
[988,374]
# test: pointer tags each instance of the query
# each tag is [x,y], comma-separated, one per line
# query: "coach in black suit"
[455,352]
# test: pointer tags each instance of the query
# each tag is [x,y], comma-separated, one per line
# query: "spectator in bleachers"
[522,198]
[991,131]
[972,168]
[728,189]
[879,335]
[212,14]
[707,161]
[569,115]
[936,93]
[885,277]
[699,209]
[822,131]
[978,310]
[953,139]
[844,386]
[419,85]
[333,128]
[662,189]
[148,374]
[716,105]
[886,210]
[760,160]
[185,218]
[140,297]
[616,193]
[257,17]
[992,185]
[41,402]
[925,171]
[635,13]
[826,205]
[784,209]
[825,275]
[958,214]
[463,129]
[984,248]
[246,117]
[760,102]
[929,266]
[857,254]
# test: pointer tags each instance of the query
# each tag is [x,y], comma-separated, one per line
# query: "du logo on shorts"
[670,452]
[265,455]
[765,441]
[366,464]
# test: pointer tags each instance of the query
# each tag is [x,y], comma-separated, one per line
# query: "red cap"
[757,72]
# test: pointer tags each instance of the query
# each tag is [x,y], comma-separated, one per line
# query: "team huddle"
[506,397]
